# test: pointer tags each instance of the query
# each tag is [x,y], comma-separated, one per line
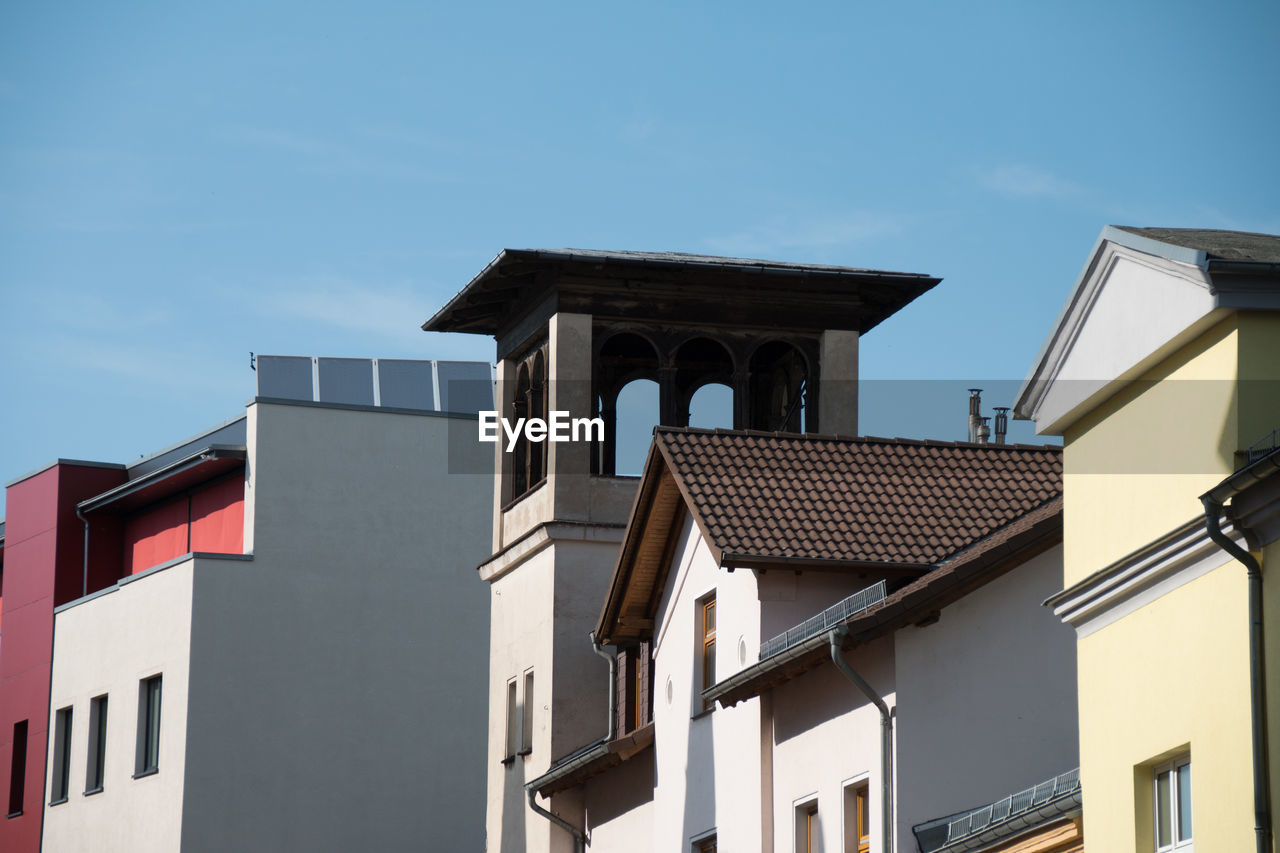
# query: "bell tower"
[573,328]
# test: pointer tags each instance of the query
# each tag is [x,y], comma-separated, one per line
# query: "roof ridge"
[851,439]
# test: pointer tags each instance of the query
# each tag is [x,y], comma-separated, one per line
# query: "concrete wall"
[619,807]
[338,679]
[106,645]
[986,697]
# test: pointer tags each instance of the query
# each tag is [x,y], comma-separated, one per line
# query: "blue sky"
[181,184]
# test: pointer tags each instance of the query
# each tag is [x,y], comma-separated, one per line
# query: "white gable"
[1128,310]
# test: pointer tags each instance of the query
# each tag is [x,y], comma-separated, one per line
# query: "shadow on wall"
[514,807]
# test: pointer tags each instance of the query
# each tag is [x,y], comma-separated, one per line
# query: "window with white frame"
[513,721]
[807,827]
[526,715]
[707,633]
[1171,805]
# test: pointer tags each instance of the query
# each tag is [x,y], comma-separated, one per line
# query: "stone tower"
[573,328]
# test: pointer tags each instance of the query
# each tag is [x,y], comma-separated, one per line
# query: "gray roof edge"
[191,440]
[359,407]
[1125,235]
[84,463]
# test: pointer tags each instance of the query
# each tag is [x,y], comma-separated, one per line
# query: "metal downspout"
[84,579]
[1257,684]
[613,684]
[835,636]
[579,841]
[579,838]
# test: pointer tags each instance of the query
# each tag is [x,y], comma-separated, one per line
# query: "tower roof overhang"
[677,288]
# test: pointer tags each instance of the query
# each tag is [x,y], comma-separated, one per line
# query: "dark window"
[61,757]
[18,769]
[148,758]
[96,767]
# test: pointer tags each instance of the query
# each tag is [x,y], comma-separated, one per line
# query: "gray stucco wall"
[338,681]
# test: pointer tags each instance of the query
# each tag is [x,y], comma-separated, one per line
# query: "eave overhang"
[946,583]
[591,761]
[731,291]
[199,467]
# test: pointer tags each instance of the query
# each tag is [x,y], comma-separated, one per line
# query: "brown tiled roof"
[856,500]
[1011,545]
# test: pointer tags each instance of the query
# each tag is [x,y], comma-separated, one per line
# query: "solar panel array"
[463,387]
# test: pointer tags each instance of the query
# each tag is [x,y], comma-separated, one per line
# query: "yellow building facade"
[1161,373]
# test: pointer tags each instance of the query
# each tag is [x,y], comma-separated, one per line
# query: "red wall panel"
[217,517]
[155,535]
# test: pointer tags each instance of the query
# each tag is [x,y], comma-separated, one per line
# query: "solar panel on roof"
[346,380]
[284,376]
[465,386]
[405,384]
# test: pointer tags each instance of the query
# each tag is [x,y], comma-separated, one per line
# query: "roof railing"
[824,621]
[1261,447]
[1014,806]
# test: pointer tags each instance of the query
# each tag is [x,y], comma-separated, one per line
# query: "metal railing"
[825,620]
[1014,806]
[1261,447]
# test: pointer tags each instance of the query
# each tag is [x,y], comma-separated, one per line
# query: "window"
[807,827]
[60,784]
[1171,800]
[18,769]
[513,712]
[857,818]
[526,717]
[708,612]
[148,755]
[705,845]
[96,765]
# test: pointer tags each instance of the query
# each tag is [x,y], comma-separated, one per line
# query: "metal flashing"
[159,567]
[83,463]
[207,463]
[353,407]
[204,437]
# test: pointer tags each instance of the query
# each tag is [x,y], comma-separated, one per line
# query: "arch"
[711,406]
[779,387]
[520,481]
[625,358]
[636,416]
[698,362]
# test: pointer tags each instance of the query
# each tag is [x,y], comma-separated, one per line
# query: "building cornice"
[1137,579]
[543,536]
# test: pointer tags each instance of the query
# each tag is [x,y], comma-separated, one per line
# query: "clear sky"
[181,184]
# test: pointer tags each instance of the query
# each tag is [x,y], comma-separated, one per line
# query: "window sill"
[144,773]
[12,815]
[706,712]
[92,791]
[57,802]
[525,752]
[510,759]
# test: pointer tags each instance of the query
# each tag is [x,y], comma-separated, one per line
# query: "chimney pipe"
[983,431]
[975,412]
[1002,423]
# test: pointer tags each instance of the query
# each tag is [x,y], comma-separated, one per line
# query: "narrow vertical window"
[526,718]
[708,646]
[807,827]
[637,693]
[95,767]
[60,784]
[148,753]
[513,712]
[857,819]
[1171,797]
[18,769]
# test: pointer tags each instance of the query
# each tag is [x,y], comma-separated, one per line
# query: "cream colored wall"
[826,735]
[1134,468]
[1269,559]
[1169,678]
[708,763]
[107,644]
